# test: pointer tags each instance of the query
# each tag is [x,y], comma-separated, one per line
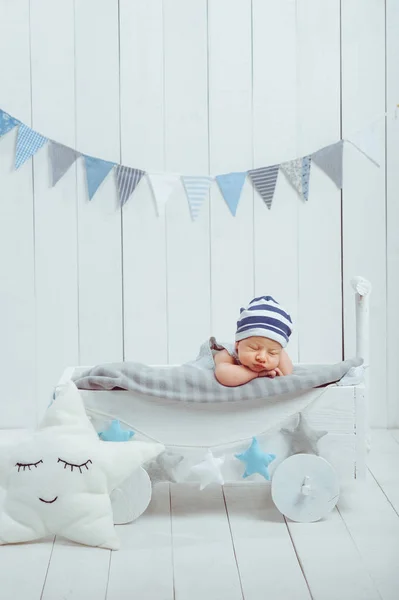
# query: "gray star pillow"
[303,439]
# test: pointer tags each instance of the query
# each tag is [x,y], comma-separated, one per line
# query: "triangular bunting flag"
[297,172]
[329,159]
[369,142]
[96,172]
[61,158]
[6,123]
[306,162]
[264,180]
[162,185]
[196,188]
[231,186]
[127,180]
[28,143]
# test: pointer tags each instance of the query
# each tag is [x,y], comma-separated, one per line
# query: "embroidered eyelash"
[80,467]
[25,466]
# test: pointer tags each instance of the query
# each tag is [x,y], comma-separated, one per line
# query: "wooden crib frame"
[341,410]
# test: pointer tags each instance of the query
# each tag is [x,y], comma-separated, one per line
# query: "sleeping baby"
[263,330]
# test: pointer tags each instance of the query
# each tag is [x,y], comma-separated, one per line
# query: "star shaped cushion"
[303,439]
[58,479]
[256,460]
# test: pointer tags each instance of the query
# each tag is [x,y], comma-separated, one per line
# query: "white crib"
[191,429]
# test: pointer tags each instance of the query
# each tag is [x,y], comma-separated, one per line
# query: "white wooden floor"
[230,544]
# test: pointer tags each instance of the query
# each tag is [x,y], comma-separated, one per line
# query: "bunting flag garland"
[231,185]
[61,159]
[196,188]
[6,123]
[297,172]
[264,180]
[28,143]
[96,172]
[162,185]
[127,180]
[329,159]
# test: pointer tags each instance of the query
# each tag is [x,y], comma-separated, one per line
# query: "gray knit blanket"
[195,381]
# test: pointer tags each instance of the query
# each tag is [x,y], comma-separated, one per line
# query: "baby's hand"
[272,374]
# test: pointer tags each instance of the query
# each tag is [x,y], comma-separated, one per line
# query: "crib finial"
[361,285]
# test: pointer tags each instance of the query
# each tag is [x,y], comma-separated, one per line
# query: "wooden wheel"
[305,488]
[132,497]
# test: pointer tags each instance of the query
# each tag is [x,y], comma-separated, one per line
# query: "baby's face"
[259,353]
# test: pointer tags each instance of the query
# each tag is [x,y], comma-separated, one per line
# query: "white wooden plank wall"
[364,218]
[206,86]
[392,139]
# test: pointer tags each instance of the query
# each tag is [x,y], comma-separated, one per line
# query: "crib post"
[362,288]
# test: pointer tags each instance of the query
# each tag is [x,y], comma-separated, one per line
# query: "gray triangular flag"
[264,180]
[127,180]
[329,159]
[61,158]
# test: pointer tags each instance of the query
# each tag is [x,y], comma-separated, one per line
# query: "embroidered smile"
[48,501]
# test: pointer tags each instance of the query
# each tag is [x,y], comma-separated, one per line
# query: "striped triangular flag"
[96,172]
[7,122]
[127,180]
[297,172]
[61,159]
[264,180]
[28,143]
[197,187]
[162,185]
[329,159]
[231,186]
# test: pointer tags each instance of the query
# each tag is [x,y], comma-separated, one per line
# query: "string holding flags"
[264,179]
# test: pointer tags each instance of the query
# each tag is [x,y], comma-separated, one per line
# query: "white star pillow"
[209,470]
[58,480]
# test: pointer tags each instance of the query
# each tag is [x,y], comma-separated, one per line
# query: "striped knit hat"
[266,318]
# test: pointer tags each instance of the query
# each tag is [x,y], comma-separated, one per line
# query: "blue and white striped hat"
[266,318]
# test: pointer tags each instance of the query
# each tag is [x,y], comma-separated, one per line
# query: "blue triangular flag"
[6,122]
[96,172]
[28,143]
[231,185]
